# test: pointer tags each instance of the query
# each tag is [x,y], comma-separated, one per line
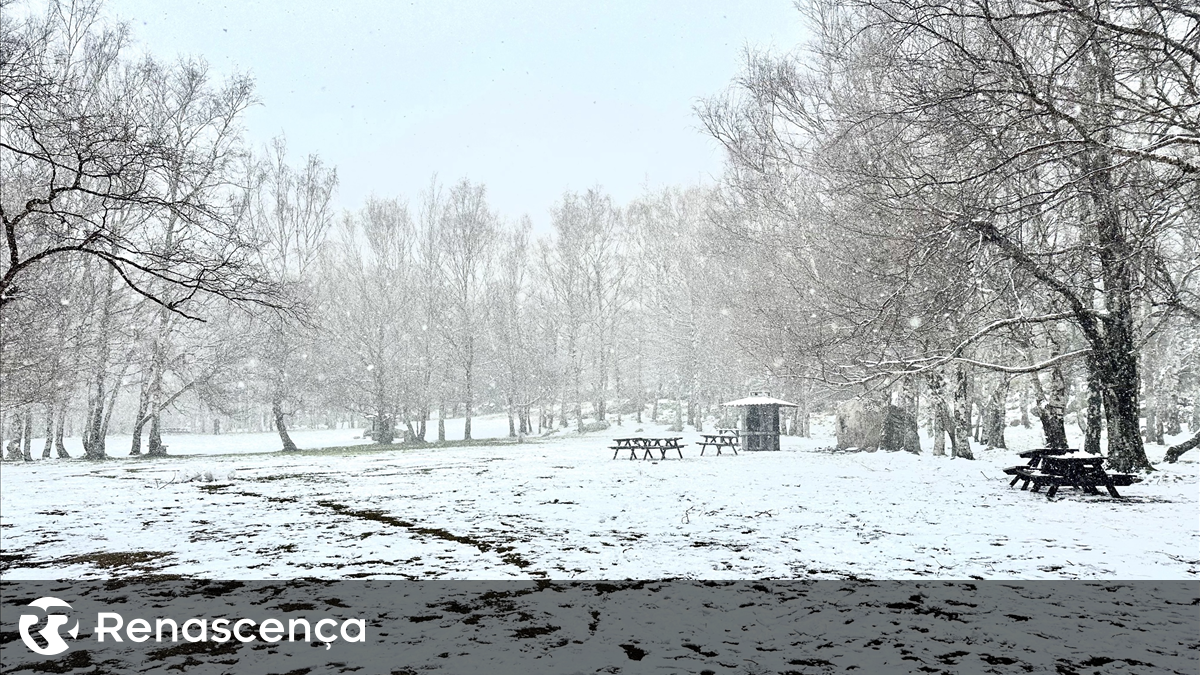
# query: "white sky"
[530,98]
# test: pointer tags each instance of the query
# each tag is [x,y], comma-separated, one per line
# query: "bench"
[718,441]
[647,446]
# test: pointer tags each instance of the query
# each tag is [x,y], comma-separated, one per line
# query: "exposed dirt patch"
[75,660]
[113,560]
[191,648]
[505,552]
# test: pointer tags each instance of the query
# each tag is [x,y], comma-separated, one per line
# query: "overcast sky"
[530,98]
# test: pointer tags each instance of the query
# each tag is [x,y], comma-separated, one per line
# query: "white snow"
[561,508]
[759,400]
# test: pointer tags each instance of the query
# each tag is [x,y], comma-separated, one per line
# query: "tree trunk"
[1173,453]
[467,416]
[1095,411]
[93,447]
[59,447]
[1050,408]
[442,422]
[994,414]
[579,398]
[1153,432]
[135,447]
[980,420]
[111,404]
[602,383]
[943,423]
[805,417]
[617,388]
[960,445]
[385,425]
[1125,450]
[281,426]
[93,438]
[139,422]
[1172,421]
[154,445]
[1025,405]
[27,438]
[512,427]
[49,431]
[939,435]
[910,437]
[13,451]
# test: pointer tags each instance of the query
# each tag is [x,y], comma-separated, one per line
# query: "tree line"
[157,262]
[971,194]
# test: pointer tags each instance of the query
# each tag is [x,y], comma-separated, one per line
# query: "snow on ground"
[560,507]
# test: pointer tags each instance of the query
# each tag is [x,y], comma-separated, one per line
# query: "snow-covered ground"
[562,508]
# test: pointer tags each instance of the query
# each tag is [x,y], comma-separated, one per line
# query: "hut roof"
[760,400]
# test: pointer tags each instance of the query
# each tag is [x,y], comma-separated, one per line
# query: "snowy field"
[561,508]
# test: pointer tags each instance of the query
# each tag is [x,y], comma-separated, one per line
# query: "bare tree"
[509,320]
[292,213]
[87,163]
[468,228]
[369,302]
[562,262]
[196,118]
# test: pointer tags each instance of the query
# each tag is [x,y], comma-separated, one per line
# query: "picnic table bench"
[647,446]
[724,438]
[1056,467]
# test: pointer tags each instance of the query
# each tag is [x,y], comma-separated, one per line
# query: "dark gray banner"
[746,628]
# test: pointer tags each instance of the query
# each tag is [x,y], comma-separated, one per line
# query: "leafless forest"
[964,212]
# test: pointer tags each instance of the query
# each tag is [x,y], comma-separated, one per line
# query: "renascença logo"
[54,642]
[109,624]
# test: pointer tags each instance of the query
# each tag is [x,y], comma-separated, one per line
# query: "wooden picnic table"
[1056,467]
[647,446]
[723,439]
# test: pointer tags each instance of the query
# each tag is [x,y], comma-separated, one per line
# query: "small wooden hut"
[759,420]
